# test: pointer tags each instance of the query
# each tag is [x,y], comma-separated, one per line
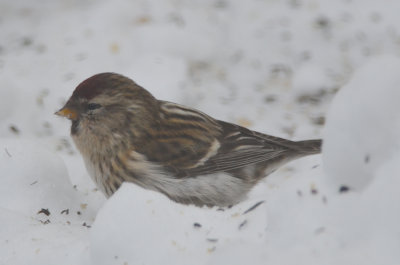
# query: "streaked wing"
[241,147]
[189,142]
[183,138]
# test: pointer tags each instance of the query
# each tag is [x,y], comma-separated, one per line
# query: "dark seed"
[242,224]
[5,149]
[344,189]
[33,183]
[253,207]
[85,225]
[14,129]
[197,225]
[44,211]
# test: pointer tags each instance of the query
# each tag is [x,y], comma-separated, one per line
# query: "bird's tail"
[310,147]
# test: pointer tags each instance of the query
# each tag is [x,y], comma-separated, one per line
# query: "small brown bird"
[125,134]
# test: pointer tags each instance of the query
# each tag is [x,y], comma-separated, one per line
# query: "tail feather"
[310,146]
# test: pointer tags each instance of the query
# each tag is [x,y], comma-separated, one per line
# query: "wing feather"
[221,147]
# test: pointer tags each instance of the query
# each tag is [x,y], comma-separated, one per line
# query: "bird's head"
[109,103]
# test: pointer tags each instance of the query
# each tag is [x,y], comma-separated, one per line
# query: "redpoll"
[125,134]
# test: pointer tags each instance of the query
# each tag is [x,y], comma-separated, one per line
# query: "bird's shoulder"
[181,136]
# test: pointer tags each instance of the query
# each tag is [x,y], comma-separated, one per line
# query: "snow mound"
[139,226]
[360,152]
[42,213]
[35,175]
[363,125]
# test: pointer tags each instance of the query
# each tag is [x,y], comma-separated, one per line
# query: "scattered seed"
[197,225]
[14,129]
[242,224]
[270,98]
[33,183]
[44,211]
[114,48]
[253,207]
[45,222]
[26,41]
[314,190]
[78,213]
[322,22]
[343,189]
[314,99]
[5,149]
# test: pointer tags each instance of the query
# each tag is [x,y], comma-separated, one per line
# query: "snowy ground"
[273,66]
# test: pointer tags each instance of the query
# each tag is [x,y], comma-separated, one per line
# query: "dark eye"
[93,106]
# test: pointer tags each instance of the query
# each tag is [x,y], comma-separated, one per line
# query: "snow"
[363,124]
[280,67]
[153,229]
[38,207]
[47,175]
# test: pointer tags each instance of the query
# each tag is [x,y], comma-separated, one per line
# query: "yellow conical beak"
[67,113]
